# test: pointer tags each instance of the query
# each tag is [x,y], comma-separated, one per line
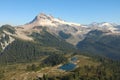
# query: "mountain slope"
[44,44]
[6,39]
[56,26]
[101,43]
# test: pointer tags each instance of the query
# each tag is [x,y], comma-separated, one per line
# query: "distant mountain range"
[46,34]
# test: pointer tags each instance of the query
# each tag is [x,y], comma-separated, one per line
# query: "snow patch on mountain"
[104,26]
[5,42]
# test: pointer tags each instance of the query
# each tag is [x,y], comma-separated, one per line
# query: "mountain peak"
[43,19]
[44,16]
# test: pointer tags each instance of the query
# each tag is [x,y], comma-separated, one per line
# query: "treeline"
[51,60]
[22,51]
[55,59]
[47,39]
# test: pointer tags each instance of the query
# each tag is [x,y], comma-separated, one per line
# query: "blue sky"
[16,12]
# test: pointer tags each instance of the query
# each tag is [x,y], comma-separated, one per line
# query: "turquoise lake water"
[69,66]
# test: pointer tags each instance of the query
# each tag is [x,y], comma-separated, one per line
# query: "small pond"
[68,66]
